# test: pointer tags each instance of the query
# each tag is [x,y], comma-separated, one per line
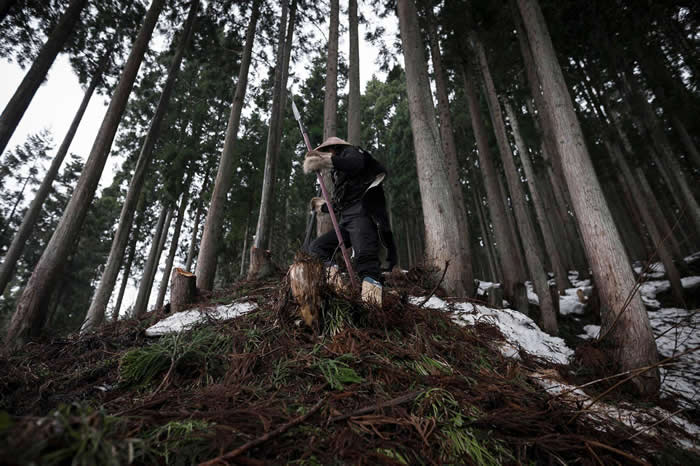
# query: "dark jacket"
[357,176]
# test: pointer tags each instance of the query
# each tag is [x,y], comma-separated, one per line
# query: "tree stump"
[495,297]
[521,302]
[183,289]
[305,279]
[554,293]
[260,263]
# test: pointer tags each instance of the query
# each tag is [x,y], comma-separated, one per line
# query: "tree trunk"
[354,109]
[534,255]
[15,108]
[330,107]
[657,212]
[151,267]
[624,322]
[688,143]
[163,288]
[494,265]
[195,227]
[30,217]
[659,242]
[549,149]
[211,236]
[245,244]
[125,278]
[443,240]
[260,264]
[513,270]
[560,272]
[28,318]
[664,151]
[97,309]
[448,144]
[18,199]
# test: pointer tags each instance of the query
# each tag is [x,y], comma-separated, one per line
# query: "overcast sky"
[56,101]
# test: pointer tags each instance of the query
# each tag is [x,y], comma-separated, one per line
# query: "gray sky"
[56,101]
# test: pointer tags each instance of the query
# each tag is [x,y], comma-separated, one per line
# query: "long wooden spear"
[343,249]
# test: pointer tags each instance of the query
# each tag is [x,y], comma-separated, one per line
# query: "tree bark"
[28,318]
[688,143]
[513,270]
[97,309]
[30,217]
[534,255]
[15,108]
[330,106]
[260,264]
[560,272]
[494,265]
[125,279]
[163,288]
[354,109]
[211,236]
[448,143]
[625,324]
[443,240]
[659,242]
[151,267]
[244,251]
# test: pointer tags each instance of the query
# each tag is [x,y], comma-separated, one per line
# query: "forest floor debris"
[400,385]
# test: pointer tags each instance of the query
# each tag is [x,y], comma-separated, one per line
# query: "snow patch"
[483,287]
[590,332]
[652,421]
[651,288]
[185,320]
[690,282]
[676,332]
[520,331]
[692,258]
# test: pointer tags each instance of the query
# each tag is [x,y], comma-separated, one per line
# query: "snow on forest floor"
[676,330]
[522,333]
[185,320]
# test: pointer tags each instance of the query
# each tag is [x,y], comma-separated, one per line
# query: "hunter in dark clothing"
[359,201]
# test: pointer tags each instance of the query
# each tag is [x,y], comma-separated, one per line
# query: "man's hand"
[316,160]
[318,204]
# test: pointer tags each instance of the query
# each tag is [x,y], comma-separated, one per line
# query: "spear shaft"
[336,227]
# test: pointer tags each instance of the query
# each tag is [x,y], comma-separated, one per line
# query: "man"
[358,199]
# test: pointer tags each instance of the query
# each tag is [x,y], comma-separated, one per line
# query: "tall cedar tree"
[30,315]
[443,240]
[206,260]
[625,323]
[95,314]
[260,262]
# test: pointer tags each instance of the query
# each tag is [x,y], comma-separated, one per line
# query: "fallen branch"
[633,373]
[368,409]
[618,451]
[432,292]
[656,423]
[262,439]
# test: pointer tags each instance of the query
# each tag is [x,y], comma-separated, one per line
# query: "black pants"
[360,232]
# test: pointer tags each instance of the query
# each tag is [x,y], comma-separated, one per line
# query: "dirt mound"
[398,385]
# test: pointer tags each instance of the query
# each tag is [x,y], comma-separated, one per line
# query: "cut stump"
[305,279]
[183,289]
[495,297]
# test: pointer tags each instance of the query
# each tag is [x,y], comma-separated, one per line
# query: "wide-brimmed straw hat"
[333,141]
